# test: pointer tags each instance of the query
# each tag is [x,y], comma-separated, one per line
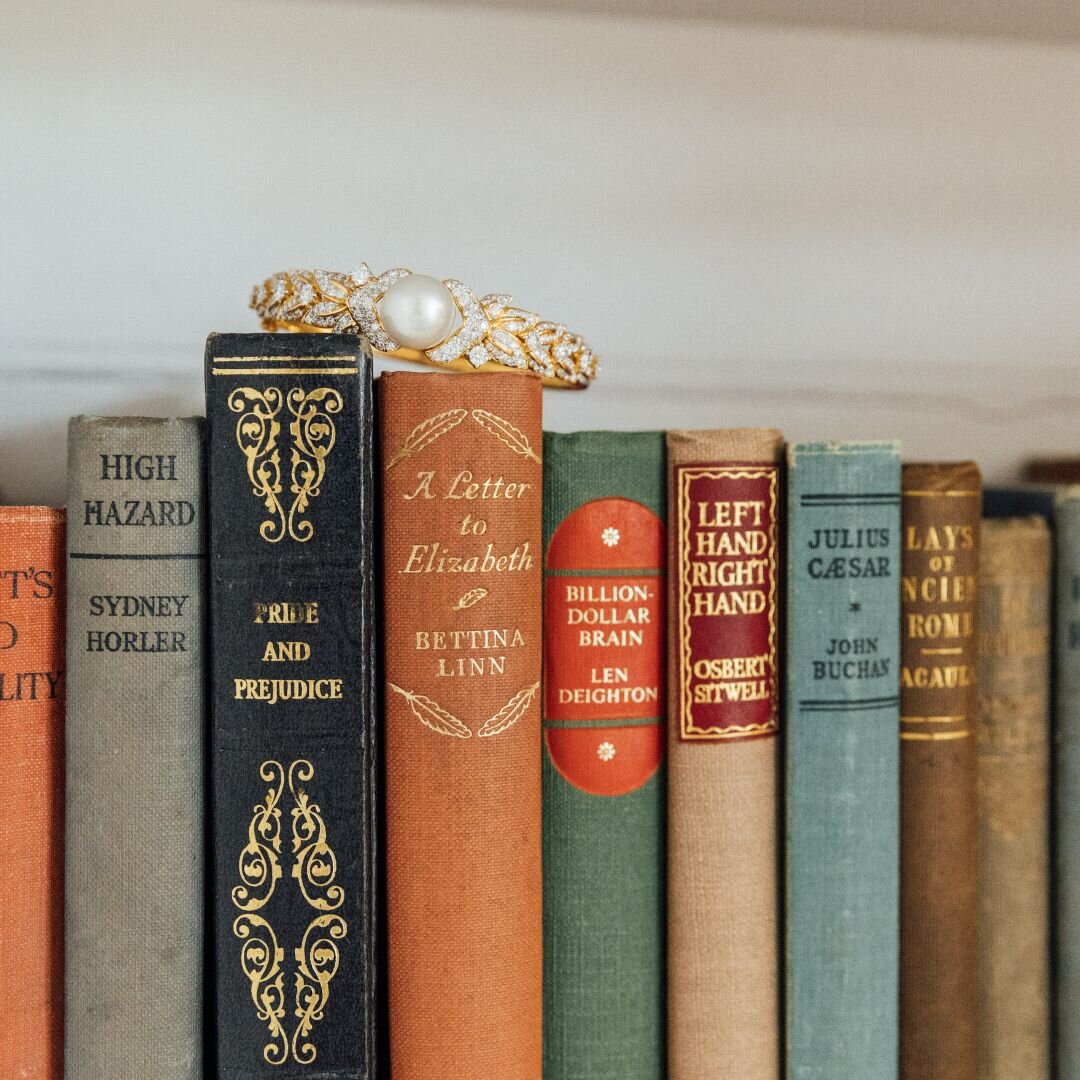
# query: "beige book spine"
[723,959]
[1014,751]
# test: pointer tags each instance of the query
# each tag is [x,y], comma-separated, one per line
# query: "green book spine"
[603,775]
[842,760]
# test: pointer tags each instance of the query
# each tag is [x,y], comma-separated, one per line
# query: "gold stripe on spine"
[933,719]
[948,494]
[286,371]
[318,956]
[284,360]
[933,736]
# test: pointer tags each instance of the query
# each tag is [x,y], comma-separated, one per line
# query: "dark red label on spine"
[726,591]
[604,661]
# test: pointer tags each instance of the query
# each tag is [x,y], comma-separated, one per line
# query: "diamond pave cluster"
[490,328]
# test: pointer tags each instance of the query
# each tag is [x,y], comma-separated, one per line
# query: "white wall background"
[841,234]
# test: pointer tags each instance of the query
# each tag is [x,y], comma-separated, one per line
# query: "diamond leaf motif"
[474,326]
[361,275]
[330,286]
[507,344]
[494,303]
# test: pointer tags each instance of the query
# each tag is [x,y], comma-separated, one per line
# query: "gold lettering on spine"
[314,869]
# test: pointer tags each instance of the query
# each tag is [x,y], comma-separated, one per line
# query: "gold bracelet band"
[415,317]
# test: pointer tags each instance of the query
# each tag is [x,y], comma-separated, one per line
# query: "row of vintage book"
[392,736]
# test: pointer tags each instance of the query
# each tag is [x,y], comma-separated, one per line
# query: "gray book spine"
[1067,841]
[134,817]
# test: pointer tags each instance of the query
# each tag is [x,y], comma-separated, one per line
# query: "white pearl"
[418,311]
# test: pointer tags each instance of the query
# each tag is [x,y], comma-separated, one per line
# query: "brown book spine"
[1014,762]
[462,502]
[939,917]
[723,958]
[32,560]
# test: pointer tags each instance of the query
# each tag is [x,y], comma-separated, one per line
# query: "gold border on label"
[687,731]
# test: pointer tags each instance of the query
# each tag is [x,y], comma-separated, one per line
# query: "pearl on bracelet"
[418,312]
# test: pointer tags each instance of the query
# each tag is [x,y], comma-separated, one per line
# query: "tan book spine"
[1014,762]
[462,504]
[939,918]
[723,958]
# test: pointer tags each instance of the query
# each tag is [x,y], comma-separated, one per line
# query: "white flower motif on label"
[610,536]
[605,751]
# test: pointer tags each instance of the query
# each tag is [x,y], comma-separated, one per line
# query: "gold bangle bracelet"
[416,317]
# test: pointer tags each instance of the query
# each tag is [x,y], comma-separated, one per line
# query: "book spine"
[939,915]
[32,790]
[723,588]
[604,735]
[843,760]
[134,866]
[292,733]
[462,501]
[1014,767]
[1067,783]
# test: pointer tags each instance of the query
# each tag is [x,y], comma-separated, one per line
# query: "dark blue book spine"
[292,735]
[842,760]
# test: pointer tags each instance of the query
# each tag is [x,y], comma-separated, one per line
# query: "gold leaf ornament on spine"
[510,713]
[426,432]
[432,715]
[506,433]
[314,868]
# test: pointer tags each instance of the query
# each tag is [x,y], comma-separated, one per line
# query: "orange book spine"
[462,551]
[32,790]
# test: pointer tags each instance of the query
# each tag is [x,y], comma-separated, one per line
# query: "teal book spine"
[1067,796]
[843,760]
[604,736]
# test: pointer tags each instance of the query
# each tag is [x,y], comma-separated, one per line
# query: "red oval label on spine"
[604,630]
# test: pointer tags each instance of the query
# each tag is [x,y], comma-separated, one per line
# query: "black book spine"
[292,742]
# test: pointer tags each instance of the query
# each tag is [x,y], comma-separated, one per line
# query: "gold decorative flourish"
[506,433]
[426,432]
[510,713]
[472,597]
[257,433]
[260,867]
[314,435]
[317,959]
[315,865]
[260,958]
[314,869]
[432,715]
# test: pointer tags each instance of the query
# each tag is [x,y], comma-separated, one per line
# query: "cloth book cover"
[462,554]
[843,760]
[134,868]
[604,740]
[1014,789]
[939,832]
[32,790]
[724,521]
[292,744]
[1066,848]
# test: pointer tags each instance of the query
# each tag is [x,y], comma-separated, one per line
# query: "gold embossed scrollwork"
[315,864]
[257,432]
[313,434]
[259,865]
[260,959]
[317,960]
